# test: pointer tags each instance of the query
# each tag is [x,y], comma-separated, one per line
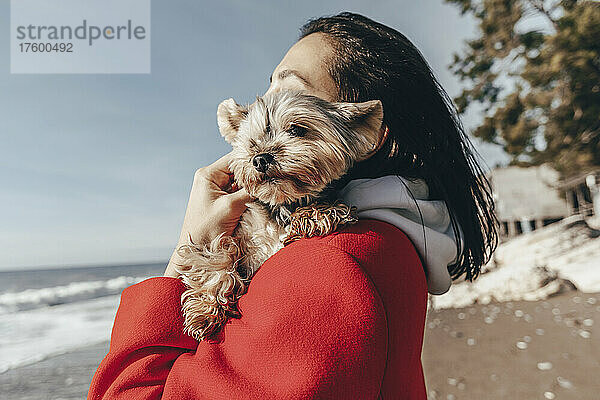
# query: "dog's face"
[288,145]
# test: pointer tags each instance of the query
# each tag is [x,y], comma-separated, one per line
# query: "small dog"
[289,149]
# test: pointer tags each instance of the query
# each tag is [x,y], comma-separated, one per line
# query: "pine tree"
[535,68]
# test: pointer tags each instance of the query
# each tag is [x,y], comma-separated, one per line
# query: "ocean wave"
[73,292]
[31,336]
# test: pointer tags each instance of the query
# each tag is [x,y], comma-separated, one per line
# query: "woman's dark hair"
[426,138]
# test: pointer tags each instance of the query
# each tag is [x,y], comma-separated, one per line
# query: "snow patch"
[559,257]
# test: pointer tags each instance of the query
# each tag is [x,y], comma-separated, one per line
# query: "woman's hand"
[214,207]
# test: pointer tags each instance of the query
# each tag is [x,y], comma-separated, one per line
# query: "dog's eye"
[297,130]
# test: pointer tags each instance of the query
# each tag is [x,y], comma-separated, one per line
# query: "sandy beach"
[547,349]
[66,376]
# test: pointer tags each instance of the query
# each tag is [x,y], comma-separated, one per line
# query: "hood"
[405,204]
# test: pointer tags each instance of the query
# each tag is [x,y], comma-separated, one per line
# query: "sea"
[46,312]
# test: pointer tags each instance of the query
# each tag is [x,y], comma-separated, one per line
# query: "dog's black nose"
[261,161]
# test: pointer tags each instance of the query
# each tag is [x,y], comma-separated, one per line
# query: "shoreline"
[65,376]
[517,349]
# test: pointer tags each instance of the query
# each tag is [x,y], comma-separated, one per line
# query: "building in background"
[582,194]
[526,198]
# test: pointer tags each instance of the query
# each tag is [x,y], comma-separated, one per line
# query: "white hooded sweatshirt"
[406,205]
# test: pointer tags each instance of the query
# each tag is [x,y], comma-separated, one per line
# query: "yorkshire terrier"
[289,150]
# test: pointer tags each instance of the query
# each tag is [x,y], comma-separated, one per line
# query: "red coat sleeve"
[313,327]
[146,339]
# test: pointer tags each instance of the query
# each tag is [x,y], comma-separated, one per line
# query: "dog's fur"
[311,144]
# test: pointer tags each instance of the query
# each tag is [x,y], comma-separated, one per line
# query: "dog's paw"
[319,220]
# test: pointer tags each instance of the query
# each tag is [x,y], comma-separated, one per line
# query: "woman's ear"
[229,116]
[366,120]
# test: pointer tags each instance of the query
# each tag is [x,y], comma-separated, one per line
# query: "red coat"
[335,317]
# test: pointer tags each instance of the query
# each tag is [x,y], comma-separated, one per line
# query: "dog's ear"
[229,116]
[366,120]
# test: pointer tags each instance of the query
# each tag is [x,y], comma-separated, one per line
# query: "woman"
[331,317]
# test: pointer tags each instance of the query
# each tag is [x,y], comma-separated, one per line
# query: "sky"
[96,169]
